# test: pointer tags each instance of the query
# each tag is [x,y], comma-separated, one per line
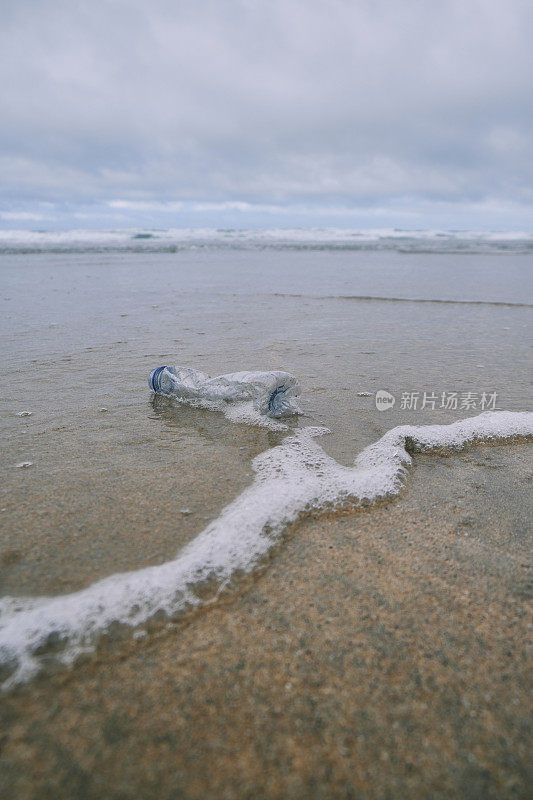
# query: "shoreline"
[379,654]
[375,654]
[291,478]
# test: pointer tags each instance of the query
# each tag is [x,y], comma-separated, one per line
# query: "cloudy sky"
[360,113]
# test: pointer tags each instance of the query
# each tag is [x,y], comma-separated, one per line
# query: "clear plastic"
[272,393]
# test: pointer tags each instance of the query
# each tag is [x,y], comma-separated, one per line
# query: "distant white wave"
[299,238]
[290,479]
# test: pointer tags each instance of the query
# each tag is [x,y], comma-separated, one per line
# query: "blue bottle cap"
[154,381]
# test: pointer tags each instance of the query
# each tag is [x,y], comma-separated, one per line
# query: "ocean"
[102,479]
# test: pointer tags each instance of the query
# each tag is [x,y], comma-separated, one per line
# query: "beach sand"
[379,654]
[111,492]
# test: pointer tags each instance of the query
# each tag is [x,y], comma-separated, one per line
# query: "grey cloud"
[285,102]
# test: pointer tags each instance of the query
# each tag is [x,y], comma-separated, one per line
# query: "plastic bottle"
[272,393]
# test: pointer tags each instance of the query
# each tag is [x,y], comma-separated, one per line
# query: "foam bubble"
[245,414]
[290,479]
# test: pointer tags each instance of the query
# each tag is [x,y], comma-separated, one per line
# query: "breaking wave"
[176,239]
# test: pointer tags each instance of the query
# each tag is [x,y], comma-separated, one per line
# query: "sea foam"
[295,477]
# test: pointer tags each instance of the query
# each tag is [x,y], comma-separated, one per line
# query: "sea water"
[119,481]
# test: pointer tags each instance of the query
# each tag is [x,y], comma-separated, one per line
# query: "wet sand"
[380,654]
[116,491]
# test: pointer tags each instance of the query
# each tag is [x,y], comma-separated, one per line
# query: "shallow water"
[82,330]
[118,479]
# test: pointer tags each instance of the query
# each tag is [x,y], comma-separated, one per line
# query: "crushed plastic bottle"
[273,393]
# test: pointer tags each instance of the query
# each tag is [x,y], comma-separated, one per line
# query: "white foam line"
[289,479]
[187,236]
